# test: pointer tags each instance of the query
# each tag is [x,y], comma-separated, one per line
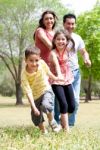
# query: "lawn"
[18,133]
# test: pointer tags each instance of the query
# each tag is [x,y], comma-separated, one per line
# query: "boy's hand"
[36,112]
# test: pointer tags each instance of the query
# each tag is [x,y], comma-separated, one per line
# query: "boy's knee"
[48,107]
[48,102]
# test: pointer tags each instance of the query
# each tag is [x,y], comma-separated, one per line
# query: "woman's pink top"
[65,68]
[45,51]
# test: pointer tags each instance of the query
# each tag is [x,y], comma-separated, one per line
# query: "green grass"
[18,133]
[23,138]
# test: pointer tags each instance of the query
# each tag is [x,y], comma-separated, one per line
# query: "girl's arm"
[54,60]
[50,74]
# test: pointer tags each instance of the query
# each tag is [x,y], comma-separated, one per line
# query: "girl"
[44,34]
[60,67]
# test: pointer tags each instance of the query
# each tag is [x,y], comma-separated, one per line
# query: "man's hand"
[87,62]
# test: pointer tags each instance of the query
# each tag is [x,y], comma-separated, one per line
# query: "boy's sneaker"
[55,127]
[45,131]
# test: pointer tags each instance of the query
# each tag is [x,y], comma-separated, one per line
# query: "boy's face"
[32,62]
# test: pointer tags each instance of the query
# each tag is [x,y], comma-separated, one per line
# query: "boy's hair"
[68,16]
[31,50]
[67,36]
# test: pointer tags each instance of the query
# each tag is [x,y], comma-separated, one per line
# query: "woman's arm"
[42,36]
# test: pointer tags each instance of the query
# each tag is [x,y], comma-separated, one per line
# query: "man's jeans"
[76,88]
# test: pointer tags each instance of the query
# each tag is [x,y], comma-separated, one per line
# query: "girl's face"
[32,62]
[60,41]
[48,21]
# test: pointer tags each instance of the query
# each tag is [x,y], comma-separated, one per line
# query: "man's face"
[69,24]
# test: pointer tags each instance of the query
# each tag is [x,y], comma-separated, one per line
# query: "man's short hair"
[68,16]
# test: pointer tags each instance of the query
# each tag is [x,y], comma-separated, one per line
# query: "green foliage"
[89,28]
[18,21]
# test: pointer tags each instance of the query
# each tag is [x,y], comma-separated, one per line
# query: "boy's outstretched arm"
[28,92]
[31,101]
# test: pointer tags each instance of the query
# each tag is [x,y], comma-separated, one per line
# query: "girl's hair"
[30,50]
[41,24]
[68,37]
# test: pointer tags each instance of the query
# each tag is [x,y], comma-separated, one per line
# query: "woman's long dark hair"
[41,24]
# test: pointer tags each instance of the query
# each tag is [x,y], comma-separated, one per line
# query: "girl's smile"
[60,41]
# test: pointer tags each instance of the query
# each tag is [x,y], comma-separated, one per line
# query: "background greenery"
[18,21]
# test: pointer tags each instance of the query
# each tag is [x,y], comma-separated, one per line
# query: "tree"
[89,28]
[18,19]
[16,28]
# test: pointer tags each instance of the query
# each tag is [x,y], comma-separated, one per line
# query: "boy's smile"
[32,63]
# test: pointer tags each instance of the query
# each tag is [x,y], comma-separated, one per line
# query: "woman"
[44,34]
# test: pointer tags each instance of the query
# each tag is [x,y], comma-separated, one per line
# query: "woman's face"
[48,21]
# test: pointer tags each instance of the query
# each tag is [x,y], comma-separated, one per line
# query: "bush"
[7,86]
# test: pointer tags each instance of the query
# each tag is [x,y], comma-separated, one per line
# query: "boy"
[37,88]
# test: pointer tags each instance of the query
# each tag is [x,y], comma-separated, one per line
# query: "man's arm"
[85,56]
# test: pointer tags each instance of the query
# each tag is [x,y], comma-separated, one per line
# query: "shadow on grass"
[4,105]
[96,101]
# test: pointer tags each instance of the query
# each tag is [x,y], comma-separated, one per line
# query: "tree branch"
[7,65]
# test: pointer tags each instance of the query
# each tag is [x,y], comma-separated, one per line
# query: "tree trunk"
[86,99]
[88,93]
[18,94]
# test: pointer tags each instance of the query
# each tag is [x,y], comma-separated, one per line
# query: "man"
[69,22]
